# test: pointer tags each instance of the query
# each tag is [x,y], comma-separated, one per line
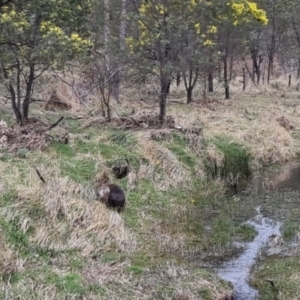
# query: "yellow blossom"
[207,43]
[197,27]
[212,29]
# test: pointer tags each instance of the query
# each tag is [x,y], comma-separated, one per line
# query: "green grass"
[284,272]
[18,240]
[205,294]
[289,230]
[70,283]
[122,138]
[63,150]
[80,170]
[245,232]
[8,197]
[178,146]
[155,217]
[235,163]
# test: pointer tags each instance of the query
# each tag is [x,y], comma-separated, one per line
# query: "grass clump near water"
[277,278]
[227,159]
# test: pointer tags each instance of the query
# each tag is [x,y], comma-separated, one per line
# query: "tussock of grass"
[159,155]
[227,159]
[10,261]
[61,95]
[63,215]
[252,122]
[274,143]
[100,273]
[284,272]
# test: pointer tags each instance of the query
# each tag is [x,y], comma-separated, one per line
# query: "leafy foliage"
[35,35]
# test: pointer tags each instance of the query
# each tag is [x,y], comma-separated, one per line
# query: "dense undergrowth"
[57,242]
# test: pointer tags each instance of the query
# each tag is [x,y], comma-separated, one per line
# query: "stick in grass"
[39,174]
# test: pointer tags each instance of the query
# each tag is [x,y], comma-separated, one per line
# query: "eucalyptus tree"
[34,36]
[171,36]
[234,22]
[167,40]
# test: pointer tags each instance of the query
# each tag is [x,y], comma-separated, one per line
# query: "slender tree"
[36,35]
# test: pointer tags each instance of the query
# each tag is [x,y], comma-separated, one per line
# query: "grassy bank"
[57,241]
[278,278]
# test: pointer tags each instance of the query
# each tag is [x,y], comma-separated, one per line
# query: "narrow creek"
[275,198]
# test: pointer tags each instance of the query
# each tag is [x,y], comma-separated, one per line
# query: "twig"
[36,100]
[54,124]
[39,174]
[135,122]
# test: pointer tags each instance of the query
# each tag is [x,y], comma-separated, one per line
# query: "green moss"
[5,157]
[23,153]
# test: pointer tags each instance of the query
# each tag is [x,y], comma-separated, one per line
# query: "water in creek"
[274,197]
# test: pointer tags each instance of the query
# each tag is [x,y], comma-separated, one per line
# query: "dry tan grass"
[106,273]
[253,120]
[64,214]
[10,262]
[161,156]
[62,96]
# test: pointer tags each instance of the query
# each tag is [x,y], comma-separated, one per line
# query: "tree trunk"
[231,67]
[15,108]
[26,101]
[271,49]
[115,81]
[227,96]
[270,68]
[244,79]
[165,86]
[178,79]
[190,83]
[219,71]
[189,95]
[255,65]
[290,80]
[210,82]
[117,67]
